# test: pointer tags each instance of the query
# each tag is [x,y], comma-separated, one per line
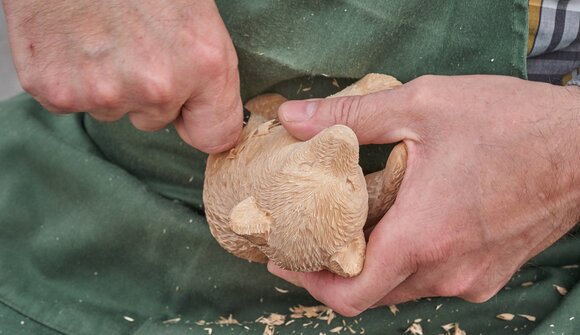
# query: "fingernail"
[298,111]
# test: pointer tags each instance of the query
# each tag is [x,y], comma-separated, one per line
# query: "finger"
[180,128]
[105,117]
[153,119]
[387,264]
[213,120]
[382,117]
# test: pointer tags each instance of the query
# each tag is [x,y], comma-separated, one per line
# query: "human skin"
[159,62]
[492,179]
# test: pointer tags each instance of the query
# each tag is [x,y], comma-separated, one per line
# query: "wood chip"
[529,317]
[562,290]
[281,290]
[335,83]
[394,309]
[172,321]
[208,330]
[415,329]
[438,306]
[306,89]
[505,316]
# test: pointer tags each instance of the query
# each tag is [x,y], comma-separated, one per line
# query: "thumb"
[376,118]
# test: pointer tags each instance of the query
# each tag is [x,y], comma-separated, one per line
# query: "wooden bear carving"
[302,205]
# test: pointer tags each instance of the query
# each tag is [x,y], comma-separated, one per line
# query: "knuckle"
[61,99]
[460,286]
[157,88]
[420,91]
[216,60]
[346,111]
[28,83]
[106,96]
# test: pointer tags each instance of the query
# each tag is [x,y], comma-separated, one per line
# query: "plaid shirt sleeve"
[554,41]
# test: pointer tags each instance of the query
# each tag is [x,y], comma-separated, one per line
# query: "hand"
[158,61]
[492,180]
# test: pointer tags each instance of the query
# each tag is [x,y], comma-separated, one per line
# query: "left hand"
[492,180]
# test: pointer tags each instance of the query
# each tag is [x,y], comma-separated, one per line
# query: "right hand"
[157,61]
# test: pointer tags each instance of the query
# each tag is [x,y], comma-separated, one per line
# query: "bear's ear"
[348,261]
[250,221]
[336,148]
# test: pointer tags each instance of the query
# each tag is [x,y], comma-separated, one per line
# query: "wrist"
[568,145]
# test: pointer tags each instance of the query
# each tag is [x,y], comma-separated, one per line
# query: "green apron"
[102,228]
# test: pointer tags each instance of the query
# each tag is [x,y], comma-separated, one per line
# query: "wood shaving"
[415,329]
[573,266]
[453,329]
[172,321]
[327,316]
[448,327]
[281,290]
[562,290]
[336,329]
[438,306]
[394,309]
[307,311]
[227,321]
[200,323]
[459,331]
[269,330]
[273,319]
[208,330]
[529,317]
[128,318]
[264,128]
[335,83]
[289,322]
[505,316]
[527,284]
[306,89]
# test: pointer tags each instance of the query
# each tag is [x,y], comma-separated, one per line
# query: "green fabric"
[101,224]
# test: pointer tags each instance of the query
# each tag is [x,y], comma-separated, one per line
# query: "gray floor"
[9,85]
